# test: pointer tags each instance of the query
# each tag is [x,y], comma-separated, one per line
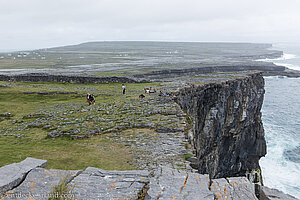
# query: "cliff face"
[227,133]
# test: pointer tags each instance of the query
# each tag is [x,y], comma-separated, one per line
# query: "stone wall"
[68,78]
[268,69]
[228,136]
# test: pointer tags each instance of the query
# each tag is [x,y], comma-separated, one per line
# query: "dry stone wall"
[70,78]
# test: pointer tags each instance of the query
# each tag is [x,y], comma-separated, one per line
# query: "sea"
[281,119]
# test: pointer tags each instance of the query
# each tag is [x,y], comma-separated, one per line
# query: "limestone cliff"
[227,132]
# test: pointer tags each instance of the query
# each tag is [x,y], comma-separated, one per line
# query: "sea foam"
[281,120]
[283,61]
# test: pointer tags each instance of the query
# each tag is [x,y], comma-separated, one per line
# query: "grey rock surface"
[228,135]
[93,183]
[96,183]
[170,183]
[232,188]
[7,115]
[39,184]
[12,175]
[274,194]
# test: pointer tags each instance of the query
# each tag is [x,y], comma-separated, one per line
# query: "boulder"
[39,184]
[12,175]
[274,194]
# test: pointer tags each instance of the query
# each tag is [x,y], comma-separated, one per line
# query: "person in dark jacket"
[92,99]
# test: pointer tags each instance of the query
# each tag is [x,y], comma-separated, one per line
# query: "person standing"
[92,99]
[123,88]
[88,98]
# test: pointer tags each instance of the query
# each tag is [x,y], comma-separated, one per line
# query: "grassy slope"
[62,152]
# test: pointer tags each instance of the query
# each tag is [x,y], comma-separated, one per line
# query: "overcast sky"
[29,24]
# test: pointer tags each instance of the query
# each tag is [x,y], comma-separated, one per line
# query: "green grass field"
[23,133]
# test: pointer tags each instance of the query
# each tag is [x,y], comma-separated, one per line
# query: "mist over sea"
[281,118]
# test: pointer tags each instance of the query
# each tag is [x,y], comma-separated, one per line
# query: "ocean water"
[291,57]
[281,119]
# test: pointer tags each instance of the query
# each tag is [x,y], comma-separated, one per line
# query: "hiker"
[142,96]
[92,99]
[123,88]
[152,90]
[88,98]
[147,91]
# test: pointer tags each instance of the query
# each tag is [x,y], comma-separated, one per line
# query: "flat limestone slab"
[39,184]
[13,174]
[96,183]
[233,188]
[273,194]
[176,184]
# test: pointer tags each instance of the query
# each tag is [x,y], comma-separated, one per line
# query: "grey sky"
[28,24]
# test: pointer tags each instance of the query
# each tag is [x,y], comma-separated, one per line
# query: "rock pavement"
[96,183]
[40,182]
[233,188]
[28,180]
[169,183]
[12,175]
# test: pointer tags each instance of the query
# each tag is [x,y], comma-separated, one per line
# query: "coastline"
[290,71]
[277,133]
[280,118]
[206,74]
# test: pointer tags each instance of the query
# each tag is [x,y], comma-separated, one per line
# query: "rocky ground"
[30,180]
[151,129]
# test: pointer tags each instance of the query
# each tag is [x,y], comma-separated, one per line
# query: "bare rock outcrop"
[12,175]
[228,136]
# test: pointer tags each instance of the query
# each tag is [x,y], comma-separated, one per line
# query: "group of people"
[90,98]
[163,94]
[150,90]
[153,90]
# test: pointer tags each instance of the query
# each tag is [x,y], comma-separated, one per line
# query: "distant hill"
[132,57]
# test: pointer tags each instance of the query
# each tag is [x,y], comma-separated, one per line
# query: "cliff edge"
[224,129]
[227,132]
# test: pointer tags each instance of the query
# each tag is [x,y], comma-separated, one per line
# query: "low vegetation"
[62,191]
[187,156]
[53,121]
